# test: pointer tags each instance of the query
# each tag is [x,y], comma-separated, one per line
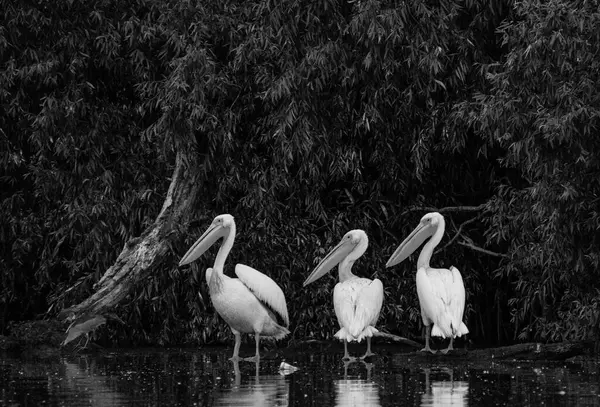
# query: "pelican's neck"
[224,249]
[427,251]
[345,270]
[345,266]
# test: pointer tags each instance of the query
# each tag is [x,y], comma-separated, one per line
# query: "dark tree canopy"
[304,120]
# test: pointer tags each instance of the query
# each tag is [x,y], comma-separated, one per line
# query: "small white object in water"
[286,368]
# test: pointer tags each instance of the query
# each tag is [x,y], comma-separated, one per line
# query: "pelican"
[441,292]
[357,301]
[251,303]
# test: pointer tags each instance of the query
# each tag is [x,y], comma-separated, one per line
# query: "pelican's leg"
[346,364]
[346,355]
[256,357]
[236,372]
[450,347]
[236,347]
[368,353]
[427,335]
[369,367]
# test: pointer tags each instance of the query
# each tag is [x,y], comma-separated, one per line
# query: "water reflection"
[205,377]
[81,381]
[356,392]
[444,392]
[257,391]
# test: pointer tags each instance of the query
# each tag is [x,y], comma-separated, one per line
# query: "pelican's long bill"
[416,238]
[208,238]
[333,258]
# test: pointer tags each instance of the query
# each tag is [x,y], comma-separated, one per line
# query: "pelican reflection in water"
[355,391]
[260,391]
[444,392]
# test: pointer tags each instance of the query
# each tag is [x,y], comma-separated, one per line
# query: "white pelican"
[357,301]
[251,303]
[441,291]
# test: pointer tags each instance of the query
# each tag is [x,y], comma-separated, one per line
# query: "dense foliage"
[309,119]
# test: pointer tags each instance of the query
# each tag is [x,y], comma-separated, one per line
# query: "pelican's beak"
[411,243]
[208,238]
[332,259]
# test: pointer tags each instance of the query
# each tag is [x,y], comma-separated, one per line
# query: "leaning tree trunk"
[139,255]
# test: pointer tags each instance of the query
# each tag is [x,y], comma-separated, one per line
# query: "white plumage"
[251,303]
[256,282]
[357,301]
[441,291]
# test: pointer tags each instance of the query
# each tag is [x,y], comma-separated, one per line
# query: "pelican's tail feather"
[366,333]
[462,330]
[344,335]
[280,332]
[442,328]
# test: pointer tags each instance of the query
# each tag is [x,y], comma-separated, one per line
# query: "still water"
[205,377]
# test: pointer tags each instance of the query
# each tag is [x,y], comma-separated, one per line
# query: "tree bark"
[142,254]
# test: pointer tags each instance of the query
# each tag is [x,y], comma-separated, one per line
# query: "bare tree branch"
[445,209]
[485,251]
[460,229]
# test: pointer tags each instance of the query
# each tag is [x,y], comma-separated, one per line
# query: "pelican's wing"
[434,300]
[343,304]
[264,288]
[456,293]
[368,305]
